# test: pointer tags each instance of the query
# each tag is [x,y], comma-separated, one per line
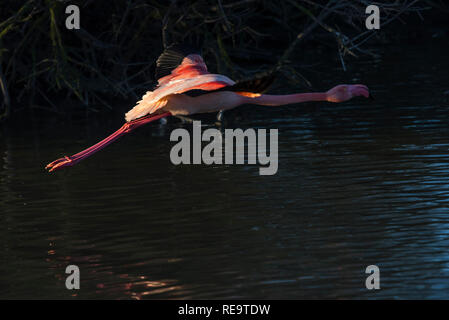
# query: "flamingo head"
[345,92]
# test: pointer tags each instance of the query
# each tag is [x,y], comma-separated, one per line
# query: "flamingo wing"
[253,86]
[257,84]
[186,72]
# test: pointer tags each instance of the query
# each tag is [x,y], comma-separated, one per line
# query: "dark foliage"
[113,55]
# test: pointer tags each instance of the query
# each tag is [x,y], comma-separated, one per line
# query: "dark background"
[358,183]
[53,70]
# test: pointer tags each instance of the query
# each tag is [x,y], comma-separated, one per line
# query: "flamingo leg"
[127,127]
[184,119]
[220,115]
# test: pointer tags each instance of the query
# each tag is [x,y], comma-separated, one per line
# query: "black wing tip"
[257,84]
[172,57]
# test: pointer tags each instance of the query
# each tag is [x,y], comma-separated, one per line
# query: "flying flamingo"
[185,87]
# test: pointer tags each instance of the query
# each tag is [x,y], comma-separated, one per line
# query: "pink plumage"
[191,74]
[178,72]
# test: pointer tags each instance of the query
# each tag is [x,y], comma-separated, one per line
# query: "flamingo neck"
[279,100]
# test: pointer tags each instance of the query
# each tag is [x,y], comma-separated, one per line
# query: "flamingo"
[185,87]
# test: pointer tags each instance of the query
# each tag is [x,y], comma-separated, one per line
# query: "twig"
[165,24]
[6,99]
[323,15]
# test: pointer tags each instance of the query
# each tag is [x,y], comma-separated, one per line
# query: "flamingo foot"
[61,163]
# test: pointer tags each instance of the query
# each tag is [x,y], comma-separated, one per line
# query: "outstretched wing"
[248,87]
[255,85]
[171,62]
[186,71]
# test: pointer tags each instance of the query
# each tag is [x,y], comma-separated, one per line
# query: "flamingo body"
[155,100]
[184,73]
[190,74]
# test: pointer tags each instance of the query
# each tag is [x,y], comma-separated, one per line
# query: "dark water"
[359,183]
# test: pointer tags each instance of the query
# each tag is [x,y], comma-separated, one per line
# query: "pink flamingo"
[186,74]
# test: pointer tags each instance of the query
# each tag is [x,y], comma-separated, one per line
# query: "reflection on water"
[358,184]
